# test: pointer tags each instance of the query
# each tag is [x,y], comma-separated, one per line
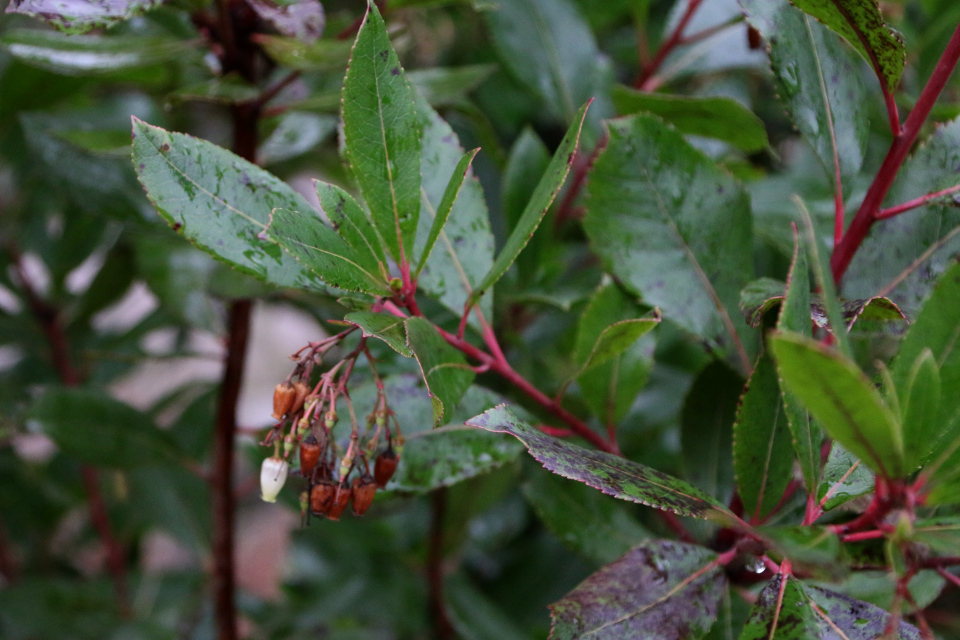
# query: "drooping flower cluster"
[337,474]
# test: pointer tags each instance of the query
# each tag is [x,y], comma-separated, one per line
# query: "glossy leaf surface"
[386,327]
[845,477]
[444,369]
[80,16]
[661,590]
[606,472]
[88,55]
[855,619]
[381,137]
[782,612]
[671,226]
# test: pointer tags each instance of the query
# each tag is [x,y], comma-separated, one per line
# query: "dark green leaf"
[920,405]
[585,520]
[102,431]
[448,455]
[550,49]
[844,478]
[80,16]
[465,251]
[543,195]
[861,24]
[842,399]
[762,456]
[672,227]
[323,55]
[381,137]
[83,55]
[448,86]
[782,612]
[720,118]
[819,81]
[706,429]
[219,201]
[759,297]
[795,316]
[662,589]
[606,472]
[228,89]
[812,550]
[614,340]
[475,616]
[316,246]
[384,326]
[526,164]
[857,620]
[904,256]
[444,369]
[942,535]
[611,388]
[446,206]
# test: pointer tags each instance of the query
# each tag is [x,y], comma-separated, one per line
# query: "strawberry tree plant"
[699,267]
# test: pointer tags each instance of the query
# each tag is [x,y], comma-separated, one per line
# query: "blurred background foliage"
[141,313]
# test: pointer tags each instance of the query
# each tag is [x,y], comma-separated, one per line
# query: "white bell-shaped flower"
[273,474]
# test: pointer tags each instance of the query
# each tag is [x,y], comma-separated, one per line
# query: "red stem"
[648,71]
[883,214]
[866,215]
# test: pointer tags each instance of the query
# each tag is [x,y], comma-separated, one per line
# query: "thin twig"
[883,214]
[668,45]
[442,629]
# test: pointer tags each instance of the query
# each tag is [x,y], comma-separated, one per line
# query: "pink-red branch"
[883,214]
[902,143]
[649,70]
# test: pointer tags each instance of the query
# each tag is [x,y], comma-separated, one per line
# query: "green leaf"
[795,317]
[295,134]
[549,48]
[606,472]
[543,195]
[942,534]
[610,388]
[446,206]
[843,400]
[719,118]
[759,297]
[448,455]
[762,455]
[819,81]
[323,251]
[614,340]
[354,226]
[102,431]
[662,589]
[381,137]
[384,326]
[706,429]
[782,612]
[861,24]
[526,164]
[228,89]
[89,55]
[857,620]
[672,226]
[585,520]
[444,369]
[322,55]
[920,406]
[448,86]
[844,478]
[812,550]
[80,16]
[937,328]
[219,201]
[903,257]
[465,247]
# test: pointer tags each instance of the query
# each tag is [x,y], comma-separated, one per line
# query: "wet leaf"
[661,590]
[381,137]
[813,550]
[671,225]
[844,478]
[856,620]
[89,55]
[606,472]
[782,612]
[80,16]
[720,118]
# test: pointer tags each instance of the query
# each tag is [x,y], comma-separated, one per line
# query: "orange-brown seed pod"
[341,498]
[384,467]
[321,497]
[364,489]
[283,396]
[309,455]
[302,391]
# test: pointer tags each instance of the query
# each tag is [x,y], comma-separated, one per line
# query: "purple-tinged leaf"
[606,472]
[841,617]
[662,590]
[782,612]
[80,16]
[303,20]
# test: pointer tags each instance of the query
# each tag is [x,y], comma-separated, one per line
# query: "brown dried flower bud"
[321,497]
[283,396]
[385,466]
[309,455]
[303,390]
[364,489]
[341,499]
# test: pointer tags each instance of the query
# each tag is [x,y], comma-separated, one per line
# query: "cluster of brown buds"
[307,416]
